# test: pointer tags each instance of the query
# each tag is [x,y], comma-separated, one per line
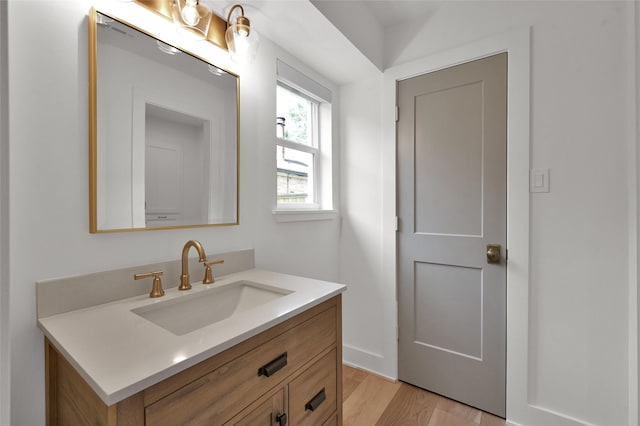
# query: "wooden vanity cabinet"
[289,374]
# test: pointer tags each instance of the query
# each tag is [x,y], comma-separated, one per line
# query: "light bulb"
[190,13]
[242,44]
[242,32]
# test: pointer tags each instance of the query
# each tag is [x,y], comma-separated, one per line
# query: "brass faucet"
[184,277]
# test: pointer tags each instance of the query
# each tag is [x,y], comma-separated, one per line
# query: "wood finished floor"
[371,400]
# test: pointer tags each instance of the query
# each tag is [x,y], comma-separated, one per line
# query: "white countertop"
[120,353]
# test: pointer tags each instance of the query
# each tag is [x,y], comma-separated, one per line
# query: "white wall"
[361,235]
[49,237]
[300,248]
[578,354]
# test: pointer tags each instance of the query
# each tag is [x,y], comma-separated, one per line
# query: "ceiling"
[371,25]
[390,13]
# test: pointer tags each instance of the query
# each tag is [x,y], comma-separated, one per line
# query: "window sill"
[284,215]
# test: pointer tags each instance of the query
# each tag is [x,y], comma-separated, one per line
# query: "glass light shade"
[242,41]
[165,48]
[192,19]
[216,71]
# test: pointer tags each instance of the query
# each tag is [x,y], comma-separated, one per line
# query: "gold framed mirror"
[163,133]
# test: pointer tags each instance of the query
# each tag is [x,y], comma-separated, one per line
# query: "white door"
[163,184]
[452,208]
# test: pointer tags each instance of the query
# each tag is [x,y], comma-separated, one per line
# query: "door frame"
[517,45]
[5,329]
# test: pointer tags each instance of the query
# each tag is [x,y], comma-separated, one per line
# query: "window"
[303,143]
[297,150]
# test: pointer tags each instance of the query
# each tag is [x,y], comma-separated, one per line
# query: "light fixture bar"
[217,27]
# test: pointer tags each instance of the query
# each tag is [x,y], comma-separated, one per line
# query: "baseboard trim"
[365,360]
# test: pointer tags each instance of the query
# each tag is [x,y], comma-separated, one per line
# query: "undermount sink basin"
[188,313]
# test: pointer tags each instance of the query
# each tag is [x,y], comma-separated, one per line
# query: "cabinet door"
[269,412]
[313,394]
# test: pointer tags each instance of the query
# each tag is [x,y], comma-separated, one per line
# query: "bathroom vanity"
[272,361]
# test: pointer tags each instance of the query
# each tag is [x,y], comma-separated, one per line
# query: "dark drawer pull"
[273,366]
[316,401]
[281,419]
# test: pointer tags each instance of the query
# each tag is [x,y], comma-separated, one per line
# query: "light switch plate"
[539,180]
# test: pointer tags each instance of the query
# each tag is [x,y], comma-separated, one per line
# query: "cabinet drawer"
[312,395]
[220,394]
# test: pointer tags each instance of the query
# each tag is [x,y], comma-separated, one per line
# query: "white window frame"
[313,149]
[322,205]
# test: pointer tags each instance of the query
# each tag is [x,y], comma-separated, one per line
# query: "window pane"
[295,176]
[298,113]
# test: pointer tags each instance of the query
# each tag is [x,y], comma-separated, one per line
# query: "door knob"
[493,253]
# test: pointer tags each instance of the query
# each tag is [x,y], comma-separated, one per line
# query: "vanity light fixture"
[242,40]
[191,18]
[197,22]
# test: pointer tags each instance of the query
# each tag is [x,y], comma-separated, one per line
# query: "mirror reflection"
[165,138]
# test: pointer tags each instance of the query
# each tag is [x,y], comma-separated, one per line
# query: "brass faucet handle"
[208,275]
[156,289]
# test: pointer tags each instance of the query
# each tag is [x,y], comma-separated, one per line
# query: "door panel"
[448,297]
[451,154]
[451,204]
